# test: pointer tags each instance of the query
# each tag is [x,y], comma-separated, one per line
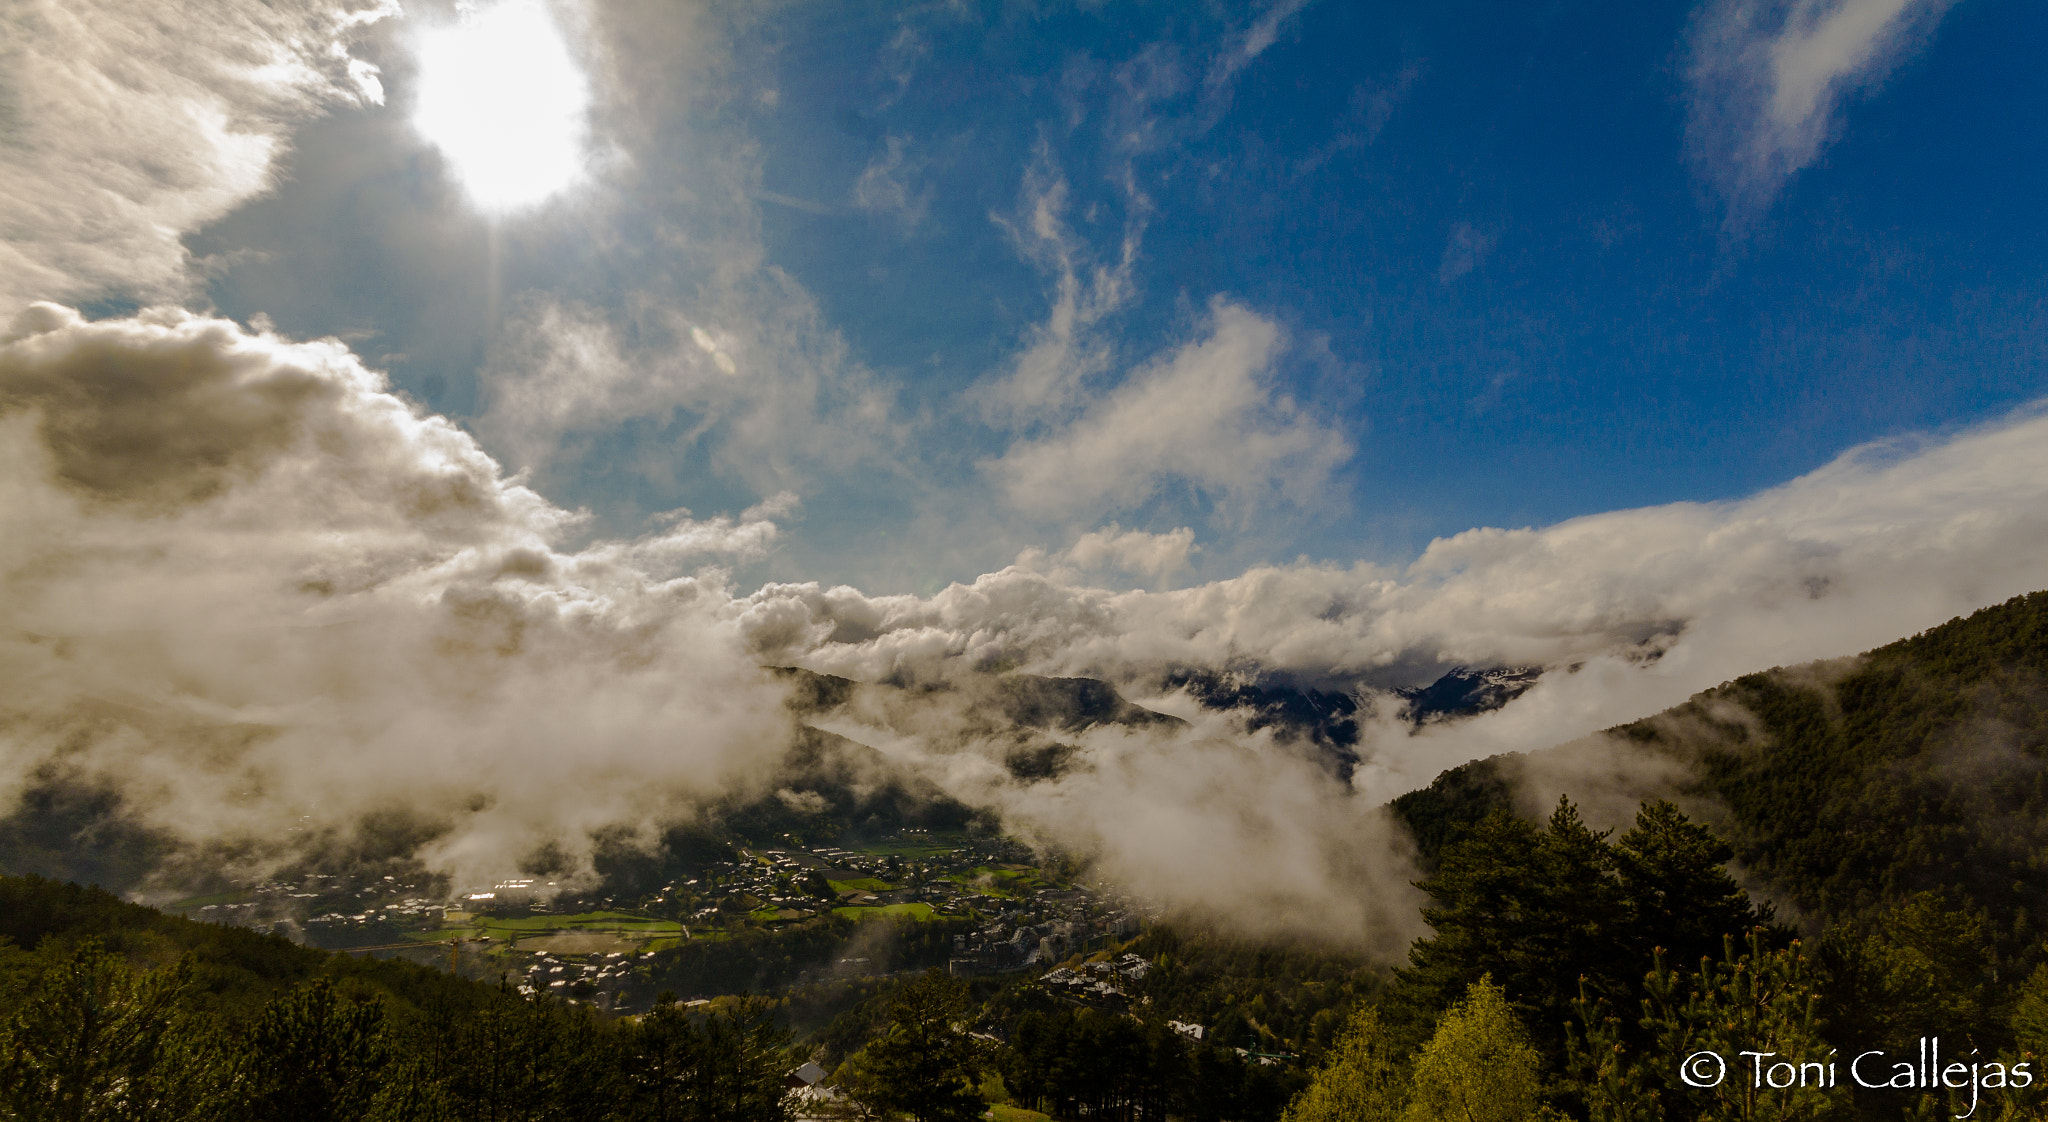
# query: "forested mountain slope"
[1848,785]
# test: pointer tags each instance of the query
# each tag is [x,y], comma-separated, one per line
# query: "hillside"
[1847,786]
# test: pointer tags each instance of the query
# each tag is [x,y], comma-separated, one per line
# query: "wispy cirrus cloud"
[1767,80]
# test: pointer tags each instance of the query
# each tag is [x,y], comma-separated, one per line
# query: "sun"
[500,94]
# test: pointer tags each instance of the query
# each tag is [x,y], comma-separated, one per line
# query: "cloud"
[1464,249]
[130,125]
[267,601]
[1631,610]
[1206,416]
[1767,79]
[749,374]
[1062,355]
[1249,45]
[1133,551]
[884,187]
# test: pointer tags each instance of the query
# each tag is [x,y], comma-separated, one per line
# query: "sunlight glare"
[503,99]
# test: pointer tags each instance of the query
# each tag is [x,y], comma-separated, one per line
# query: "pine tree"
[1608,1073]
[925,1065]
[89,1045]
[1679,894]
[1763,1001]
[314,1056]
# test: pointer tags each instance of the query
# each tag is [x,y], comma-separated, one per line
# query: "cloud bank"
[272,604]
[265,600]
[1633,610]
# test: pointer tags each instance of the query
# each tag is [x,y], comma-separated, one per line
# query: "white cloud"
[1068,351]
[247,587]
[771,391]
[1134,551]
[1650,605]
[1206,416]
[242,583]
[1251,43]
[1768,78]
[133,124]
[885,188]
[1464,249]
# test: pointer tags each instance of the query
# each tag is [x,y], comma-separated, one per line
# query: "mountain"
[1844,786]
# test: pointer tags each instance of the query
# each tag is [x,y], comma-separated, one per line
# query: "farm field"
[906,911]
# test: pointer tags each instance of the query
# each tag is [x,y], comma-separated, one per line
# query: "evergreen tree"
[1674,878]
[925,1065]
[1361,1081]
[89,1044]
[1609,1074]
[1478,1067]
[1553,890]
[314,1056]
[526,1060]
[1763,1001]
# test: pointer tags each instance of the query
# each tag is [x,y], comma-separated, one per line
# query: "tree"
[924,1064]
[89,1044]
[1608,1074]
[1479,1066]
[1762,1002]
[1533,908]
[314,1056]
[1673,875]
[1360,1082]
[523,1060]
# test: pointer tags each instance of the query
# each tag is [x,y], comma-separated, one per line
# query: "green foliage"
[1609,1076]
[1914,768]
[1551,911]
[1921,966]
[1479,1065]
[727,1067]
[89,1043]
[925,1065]
[1253,993]
[1361,1081]
[1763,1001]
[314,1056]
[1086,1063]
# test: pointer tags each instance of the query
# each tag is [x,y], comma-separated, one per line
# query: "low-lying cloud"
[266,601]
[263,598]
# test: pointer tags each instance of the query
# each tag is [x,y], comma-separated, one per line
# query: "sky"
[595,353]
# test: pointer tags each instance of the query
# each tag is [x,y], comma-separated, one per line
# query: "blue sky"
[1517,274]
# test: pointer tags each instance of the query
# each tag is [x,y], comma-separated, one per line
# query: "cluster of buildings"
[1099,983]
[549,974]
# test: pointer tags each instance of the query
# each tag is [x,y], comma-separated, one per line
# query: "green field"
[913,911]
[861,884]
[1008,882]
[1004,1112]
[624,924]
